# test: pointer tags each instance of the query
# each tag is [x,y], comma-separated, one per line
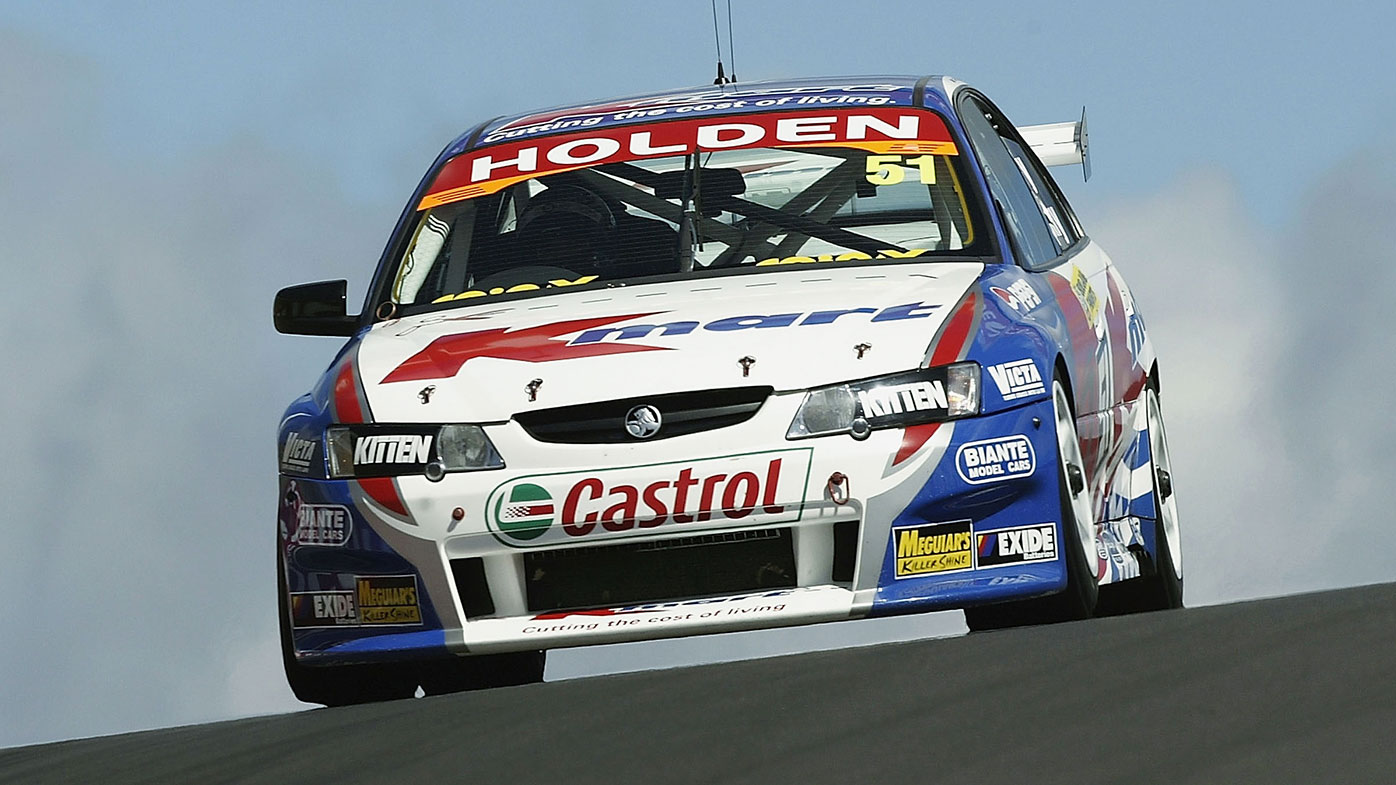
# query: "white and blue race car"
[719,359]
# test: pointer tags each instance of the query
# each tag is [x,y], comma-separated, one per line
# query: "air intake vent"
[701,566]
[679,413]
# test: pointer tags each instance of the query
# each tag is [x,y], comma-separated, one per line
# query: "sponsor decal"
[883,401]
[525,512]
[1020,296]
[851,256]
[322,524]
[741,490]
[1017,379]
[1016,545]
[520,287]
[876,130]
[395,449]
[1090,301]
[296,454]
[598,336]
[387,599]
[993,460]
[932,548]
[311,609]
[637,616]
[719,100]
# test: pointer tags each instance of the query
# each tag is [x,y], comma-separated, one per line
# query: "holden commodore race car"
[719,359]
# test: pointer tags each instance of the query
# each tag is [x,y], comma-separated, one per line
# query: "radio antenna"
[717,39]
[731,47]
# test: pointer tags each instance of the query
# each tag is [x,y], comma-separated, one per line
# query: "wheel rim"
[1163,479]
[1069,452]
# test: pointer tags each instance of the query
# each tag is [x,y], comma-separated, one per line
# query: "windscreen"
[695,197]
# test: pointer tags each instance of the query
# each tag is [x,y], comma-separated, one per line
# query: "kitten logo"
[1017,545]
[408,448]
[526,512]
[903,398]
[1017,379]
[934,548]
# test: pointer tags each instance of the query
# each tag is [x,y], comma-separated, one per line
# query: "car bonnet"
[788,329]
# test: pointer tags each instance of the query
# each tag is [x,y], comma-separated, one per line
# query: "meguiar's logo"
[931,548]
[526,512]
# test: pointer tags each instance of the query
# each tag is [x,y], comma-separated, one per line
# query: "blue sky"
[163,171]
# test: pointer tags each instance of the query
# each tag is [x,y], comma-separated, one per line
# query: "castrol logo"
[711,493]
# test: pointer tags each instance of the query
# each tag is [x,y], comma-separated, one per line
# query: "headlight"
[396,450]
[925,395]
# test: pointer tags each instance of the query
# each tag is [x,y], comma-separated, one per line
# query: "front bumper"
[477,565]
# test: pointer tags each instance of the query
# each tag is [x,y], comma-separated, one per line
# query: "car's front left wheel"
[1076,600]
[338,685]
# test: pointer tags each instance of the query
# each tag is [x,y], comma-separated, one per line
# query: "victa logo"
[1017,379]
[747,489]
[526,512]
[408,448]
[933,548]
[296,454]
[1017,545]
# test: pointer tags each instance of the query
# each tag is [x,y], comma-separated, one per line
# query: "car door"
[1047,242]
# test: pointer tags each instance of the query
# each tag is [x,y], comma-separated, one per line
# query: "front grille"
[700,566]
[680,413]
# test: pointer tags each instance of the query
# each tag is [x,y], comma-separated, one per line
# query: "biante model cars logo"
[933,548]
[322,524]
[992,460]
[739,490]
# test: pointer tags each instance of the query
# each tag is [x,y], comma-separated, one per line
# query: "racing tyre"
[482,671]
[338,685]
[1078,599]
[1161,586]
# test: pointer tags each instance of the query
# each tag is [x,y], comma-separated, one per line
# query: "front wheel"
[1077,600]
[337,685]
[483,671]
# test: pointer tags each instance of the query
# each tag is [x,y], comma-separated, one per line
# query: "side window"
[1058,219]
[1032,238]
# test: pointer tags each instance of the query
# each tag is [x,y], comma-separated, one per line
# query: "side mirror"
[314,309]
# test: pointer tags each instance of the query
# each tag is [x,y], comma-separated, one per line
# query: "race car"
[727,358]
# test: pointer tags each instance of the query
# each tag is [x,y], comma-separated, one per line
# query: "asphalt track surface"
[1292,690]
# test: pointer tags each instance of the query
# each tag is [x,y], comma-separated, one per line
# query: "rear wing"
[1060,144]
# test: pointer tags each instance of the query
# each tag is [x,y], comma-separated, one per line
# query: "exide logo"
[762,487]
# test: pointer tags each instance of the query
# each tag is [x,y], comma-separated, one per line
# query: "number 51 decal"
[887,169]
